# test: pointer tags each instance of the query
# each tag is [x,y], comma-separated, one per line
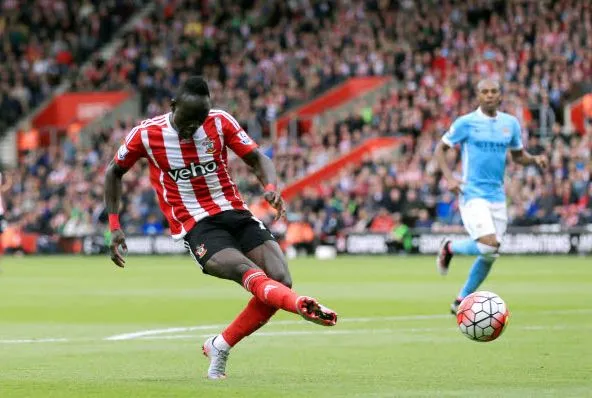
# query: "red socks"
[255,315]
[269,291]
[269,296]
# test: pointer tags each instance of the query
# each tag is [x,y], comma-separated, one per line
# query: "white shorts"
[481,218]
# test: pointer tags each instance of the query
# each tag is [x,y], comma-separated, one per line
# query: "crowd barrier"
[515,242]
[534,240]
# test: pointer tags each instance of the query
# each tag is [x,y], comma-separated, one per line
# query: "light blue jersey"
[484,142]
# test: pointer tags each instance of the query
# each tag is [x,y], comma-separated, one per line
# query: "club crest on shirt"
[208,146]
[506,131]
[201,251]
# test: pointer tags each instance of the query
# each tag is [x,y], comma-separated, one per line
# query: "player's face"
[189,113]
[489,96]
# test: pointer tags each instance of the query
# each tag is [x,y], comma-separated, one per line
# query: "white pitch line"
[154,334]
[296,333]
[23,341]
[287,333]
[358,331]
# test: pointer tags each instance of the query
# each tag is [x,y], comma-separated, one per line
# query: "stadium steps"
[355,105]
[129,109]
[337,104]
[332,102]
[354,157]
[8,149]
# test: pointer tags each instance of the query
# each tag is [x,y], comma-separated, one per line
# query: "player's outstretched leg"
[232,264]
[217,357]
[448,249]
[216,348]
[488,247]
[269,256]
[477,275]
[269,295]
[279,296]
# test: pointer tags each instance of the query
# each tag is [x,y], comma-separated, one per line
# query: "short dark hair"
[194,85]
[488,80]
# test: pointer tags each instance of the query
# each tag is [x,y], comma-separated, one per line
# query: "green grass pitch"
[394,337]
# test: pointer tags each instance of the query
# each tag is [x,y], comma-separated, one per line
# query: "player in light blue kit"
[484,137]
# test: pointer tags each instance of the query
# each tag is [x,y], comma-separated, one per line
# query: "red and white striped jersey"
[190,176]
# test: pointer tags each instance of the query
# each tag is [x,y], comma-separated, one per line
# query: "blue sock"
[465,246]
[477,275]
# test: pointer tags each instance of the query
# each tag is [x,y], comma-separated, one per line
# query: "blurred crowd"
[44,41]
[265,56]
[262,57]
[59,191]
[404,188]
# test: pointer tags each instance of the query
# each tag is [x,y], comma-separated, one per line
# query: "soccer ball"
[482,316]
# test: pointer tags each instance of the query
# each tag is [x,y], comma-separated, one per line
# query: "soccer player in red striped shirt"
[187,155]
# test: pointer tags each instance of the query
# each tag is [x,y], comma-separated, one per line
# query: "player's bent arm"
[440,155]
[522,157]
[113,187]
[262,167]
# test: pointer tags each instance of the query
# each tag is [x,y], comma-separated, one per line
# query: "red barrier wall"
[82,107]
[334,167]
[341,94]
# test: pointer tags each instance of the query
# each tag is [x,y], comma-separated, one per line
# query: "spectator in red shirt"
[382,222]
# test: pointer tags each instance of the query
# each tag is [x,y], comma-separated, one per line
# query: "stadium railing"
[546,240]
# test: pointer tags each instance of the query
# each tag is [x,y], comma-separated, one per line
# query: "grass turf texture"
[382,346]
